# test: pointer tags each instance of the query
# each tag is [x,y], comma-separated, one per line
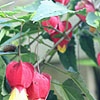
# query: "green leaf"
[6,89]
[30,7]
[58,35]
[68,59]
[68,90]
[5,14]
[18,19]
[2,33]
[72,90]
[51,96]
[33,27]
[7,53]
[91,19]
[49,8]
[14,38]
[87,44]
[81,84]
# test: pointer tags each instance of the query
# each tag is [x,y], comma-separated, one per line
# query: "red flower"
[98,59]
[64,2]
[61,26]
[63,44]
[40,86]
[84,4]
[53,21]
[19,76]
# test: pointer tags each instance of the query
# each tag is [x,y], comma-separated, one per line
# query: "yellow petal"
[16,95]
[61,49]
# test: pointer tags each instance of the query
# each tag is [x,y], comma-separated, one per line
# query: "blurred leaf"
[33,27]
[51,95]
[14,38]
[7,53]
[5,14]
[6,89]
[68,59]
[91,19]
[2,33]
[27,57]
[49,8]
[87,44]
[45,35]
[76,77]
[30,7]
[18,19]
[58,35]
[8,4]
[69,90]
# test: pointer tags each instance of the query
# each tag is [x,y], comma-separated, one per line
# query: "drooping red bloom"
[98,59]
[64,2]
[19,75]
[53,21]
[84,4]
[40,87]
[61,26]
[63,44]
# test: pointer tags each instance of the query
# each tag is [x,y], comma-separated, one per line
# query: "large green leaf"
[87,44]
[68,59]
[49,8]
[69,90]
[91,19]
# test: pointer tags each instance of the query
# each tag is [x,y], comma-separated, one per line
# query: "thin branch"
[43,59]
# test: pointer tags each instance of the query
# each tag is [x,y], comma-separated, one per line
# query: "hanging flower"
[40,87]
[61,26]
[64,2]
[53,21]
[19,76]
[98,59]
[63,44]
[84,4]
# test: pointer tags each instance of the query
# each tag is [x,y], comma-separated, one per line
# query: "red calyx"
[53,21]
[98,59]
[64,2]
[40,86]
[61,27]
[19,74]
[84,4]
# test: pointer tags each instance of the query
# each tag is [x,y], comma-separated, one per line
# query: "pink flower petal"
[19,74]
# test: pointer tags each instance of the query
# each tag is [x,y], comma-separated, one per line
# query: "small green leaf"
[2,33]
[58,35]
[51,96]
[87,44]
[68,59]
[91,18]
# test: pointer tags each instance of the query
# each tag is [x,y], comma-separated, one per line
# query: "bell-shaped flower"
[98,58]
[40,86]
[19,76]
[63,44]
[64,2]
[84,4]
[53,21]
